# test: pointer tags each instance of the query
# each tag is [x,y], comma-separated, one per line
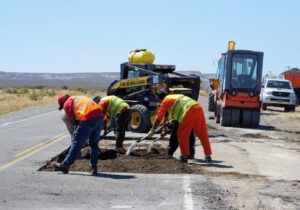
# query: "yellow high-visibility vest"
[115,105]
[181,106]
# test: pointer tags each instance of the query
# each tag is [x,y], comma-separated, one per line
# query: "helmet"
[96,99]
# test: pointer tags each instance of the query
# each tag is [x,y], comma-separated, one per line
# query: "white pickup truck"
[278,92]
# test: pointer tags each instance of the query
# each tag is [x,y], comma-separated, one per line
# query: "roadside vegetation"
[14,99]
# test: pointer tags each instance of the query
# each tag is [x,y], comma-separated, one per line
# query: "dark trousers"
[173,143]
[122,121]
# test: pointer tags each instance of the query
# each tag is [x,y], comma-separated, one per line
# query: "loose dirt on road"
[137,162]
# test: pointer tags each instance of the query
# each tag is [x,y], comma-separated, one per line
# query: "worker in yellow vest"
[190,117]
[115,108]
[87,116]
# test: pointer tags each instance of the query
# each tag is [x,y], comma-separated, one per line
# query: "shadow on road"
[213,163]
[106,175]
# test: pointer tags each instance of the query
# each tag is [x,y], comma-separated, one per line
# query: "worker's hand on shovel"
[151,133]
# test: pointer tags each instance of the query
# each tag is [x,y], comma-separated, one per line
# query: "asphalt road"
[27,141]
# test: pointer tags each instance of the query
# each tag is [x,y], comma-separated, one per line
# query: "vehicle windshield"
[278,84]
[244,71]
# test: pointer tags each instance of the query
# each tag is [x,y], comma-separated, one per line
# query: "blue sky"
[96,36]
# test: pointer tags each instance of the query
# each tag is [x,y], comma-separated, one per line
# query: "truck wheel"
[246,121]
[225,117]
[264,106]
[235,117]
[140,119]
[289,108]
[255,118]
[211,103]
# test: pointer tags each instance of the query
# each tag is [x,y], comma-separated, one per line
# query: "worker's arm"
[163,109]
[69,110]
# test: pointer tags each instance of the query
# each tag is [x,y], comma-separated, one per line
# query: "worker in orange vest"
[88,118]
[190,117]
[115,108]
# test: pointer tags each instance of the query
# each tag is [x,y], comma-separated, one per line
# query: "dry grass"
[291,115]
[14,99]
[203,93]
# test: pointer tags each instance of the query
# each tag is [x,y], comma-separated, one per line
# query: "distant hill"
[84,80]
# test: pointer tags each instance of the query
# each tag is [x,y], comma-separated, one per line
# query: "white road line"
[29,118]
[187,197]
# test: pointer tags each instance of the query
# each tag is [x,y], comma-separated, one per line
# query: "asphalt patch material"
[157,162]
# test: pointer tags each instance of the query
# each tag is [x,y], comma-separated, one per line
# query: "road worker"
[87,116]
[190,117]
[117,110]
[173,143]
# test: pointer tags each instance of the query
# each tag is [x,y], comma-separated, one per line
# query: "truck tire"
[246,121]
[235,117]
[225,117]
[211,103]
[140,119]
[264,106]
[255,118]
[289,108]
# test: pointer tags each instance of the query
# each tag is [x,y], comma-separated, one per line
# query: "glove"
[151,132]
[164,132]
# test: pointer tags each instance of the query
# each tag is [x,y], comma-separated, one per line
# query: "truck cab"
[278,93]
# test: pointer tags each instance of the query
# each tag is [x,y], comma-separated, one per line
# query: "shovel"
[107,132]
[136,142]
[152,143]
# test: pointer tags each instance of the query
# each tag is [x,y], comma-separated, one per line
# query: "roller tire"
[235,117]
[225,117]
[246,121]
[211,103]
[255,118]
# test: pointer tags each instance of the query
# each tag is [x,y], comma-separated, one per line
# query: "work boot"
[120,150]
[207,159]
[183,159]
[60,167]
[94,170]
[191,157]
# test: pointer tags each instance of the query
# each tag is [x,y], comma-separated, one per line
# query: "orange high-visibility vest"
[83,106]
[180,107]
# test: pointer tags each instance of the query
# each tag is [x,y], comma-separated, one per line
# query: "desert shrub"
[12,91]
[34,95]
[82,90]
[65,87]
[39,87]
[50,93]
[23,91]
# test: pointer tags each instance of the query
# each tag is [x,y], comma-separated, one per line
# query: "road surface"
[27,142]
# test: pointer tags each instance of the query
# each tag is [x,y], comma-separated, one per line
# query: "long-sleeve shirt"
[70,112]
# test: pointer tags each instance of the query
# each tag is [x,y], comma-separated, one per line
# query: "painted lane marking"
[29,118]
[33,151]
[40,144]
[187,197]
